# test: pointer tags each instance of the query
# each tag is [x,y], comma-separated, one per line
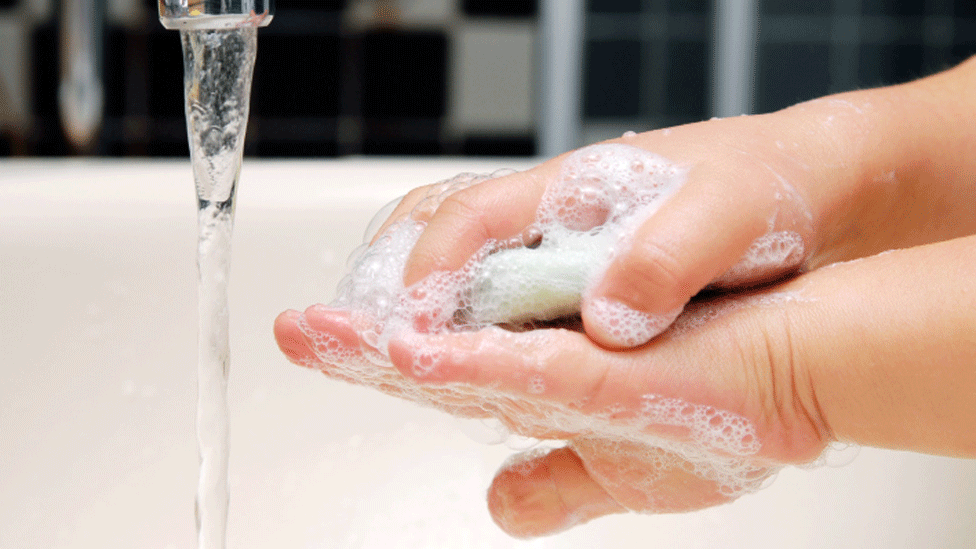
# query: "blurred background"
[470,77]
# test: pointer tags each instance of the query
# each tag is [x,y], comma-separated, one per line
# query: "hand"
[740,384]
[854,352]
[836,179]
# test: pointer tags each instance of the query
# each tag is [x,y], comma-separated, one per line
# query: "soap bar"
[520,285]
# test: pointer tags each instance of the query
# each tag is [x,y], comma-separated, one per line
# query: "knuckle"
[458,210]
[648,272]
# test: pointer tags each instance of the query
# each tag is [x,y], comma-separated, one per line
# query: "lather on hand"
[878,351]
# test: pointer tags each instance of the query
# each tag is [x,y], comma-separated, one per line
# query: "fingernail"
[289,337]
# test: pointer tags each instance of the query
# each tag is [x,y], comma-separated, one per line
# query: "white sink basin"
[97,390]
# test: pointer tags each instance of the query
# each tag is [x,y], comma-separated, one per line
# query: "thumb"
[537,495]
[671,257]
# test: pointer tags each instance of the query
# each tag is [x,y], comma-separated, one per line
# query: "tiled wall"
[648,61]
[332,77]
[420,77]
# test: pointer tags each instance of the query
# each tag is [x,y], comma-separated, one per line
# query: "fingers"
[291,340]
[554,365]
[325,339]
[319,334]
[499,209]
[701,232]
[651,479]
[538,495]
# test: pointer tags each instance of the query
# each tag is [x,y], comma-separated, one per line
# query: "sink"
[98,389]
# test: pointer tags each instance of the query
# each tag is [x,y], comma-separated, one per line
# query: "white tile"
[409,14]
[38,10]
[491,76]
[425,13]
[126,12]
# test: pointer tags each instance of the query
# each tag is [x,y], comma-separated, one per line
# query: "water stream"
[218,65]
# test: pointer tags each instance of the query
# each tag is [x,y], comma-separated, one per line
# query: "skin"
[874,349]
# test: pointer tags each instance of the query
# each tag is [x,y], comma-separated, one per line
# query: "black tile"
[113,141]
[404,74]
[889,63]
[937,59]
[965,8]
[402,137]
[178,149]
[613,6]
[167,137]
[498,145]
[114,70]
[789,73]
[794,7]
[687,80]
[385,146]
[286,84]
[961,51]
[612,78]
[499,8]
[44,71]
[6,144]
[893,7]
[941,8]
[165,71]
[285,6]
[304,22]
[964,39]
[300,136]
[690,6]
[47,138]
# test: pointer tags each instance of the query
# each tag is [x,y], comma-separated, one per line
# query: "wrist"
[889,167]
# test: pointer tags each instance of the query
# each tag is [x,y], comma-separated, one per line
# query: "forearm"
[895,167]
[888,348]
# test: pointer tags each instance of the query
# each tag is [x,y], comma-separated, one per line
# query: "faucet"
[219,42]
[215,14]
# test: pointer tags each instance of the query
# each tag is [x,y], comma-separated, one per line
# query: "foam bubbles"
[586,217]
[774,252]
[627,327]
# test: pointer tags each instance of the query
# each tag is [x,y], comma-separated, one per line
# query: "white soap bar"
[545,283]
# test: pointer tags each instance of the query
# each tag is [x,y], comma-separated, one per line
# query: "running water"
[217,65]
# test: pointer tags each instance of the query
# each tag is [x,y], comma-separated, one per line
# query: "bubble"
[767,257]
[484,430]
[536,385]
[586,216]
[521,443]
[627,327]
[839,454]
[379,218]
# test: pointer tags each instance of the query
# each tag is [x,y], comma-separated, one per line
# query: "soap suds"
[627,327]
[586,217]
[768,255]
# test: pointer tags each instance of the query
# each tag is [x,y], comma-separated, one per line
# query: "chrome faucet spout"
[215,14]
